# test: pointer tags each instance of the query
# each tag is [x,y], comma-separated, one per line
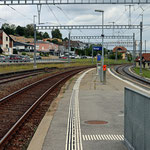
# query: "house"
[75,44]
[21,44]
[6,43]
[46,47]
[145,60]
[120,49]
[23,47]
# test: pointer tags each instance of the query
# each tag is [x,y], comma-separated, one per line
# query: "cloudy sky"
[81,15]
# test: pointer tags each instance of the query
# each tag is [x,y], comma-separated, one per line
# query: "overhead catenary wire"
[53,14]
[20,13]
[68,18]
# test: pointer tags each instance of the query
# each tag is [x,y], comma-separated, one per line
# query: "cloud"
[79,14]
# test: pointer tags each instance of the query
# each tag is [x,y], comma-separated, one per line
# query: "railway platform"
[87,115]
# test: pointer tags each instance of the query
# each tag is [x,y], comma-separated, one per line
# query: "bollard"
[104,75]
[98,69]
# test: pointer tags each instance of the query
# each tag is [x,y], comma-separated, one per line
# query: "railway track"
[16,108]
[125,72]
[13,76]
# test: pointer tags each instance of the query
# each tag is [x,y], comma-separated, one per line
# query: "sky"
[82,15]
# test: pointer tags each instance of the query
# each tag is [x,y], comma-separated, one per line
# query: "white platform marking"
[130,83]
[103,137]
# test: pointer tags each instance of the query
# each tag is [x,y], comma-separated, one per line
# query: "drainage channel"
[73,136]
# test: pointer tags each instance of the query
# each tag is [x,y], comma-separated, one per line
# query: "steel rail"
[26,114]
[13,76]
[18,78]
[124,70]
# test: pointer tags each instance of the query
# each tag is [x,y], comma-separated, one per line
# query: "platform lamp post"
[102,35]
[34,66]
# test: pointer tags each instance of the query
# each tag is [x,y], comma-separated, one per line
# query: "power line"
[68,17]
[54,15]
[19,12]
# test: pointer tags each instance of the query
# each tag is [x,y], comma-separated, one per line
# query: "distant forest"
[27,31]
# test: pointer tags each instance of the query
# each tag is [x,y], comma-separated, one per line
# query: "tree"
[9,29]
[56,34]
[20,30]
[29,30]
[45,35]
[39,35]
[65,39]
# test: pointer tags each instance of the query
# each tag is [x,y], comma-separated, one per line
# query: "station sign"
[98,57]
[97,48]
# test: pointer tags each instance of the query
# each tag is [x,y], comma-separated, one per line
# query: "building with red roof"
[145,60]
[120,49]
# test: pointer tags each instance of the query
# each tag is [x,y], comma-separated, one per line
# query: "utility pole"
[129,22]
[134,50]
[39,12]
[141,30]
[102,35]
[69,47]
[35,66]
[113,26]
[145,46]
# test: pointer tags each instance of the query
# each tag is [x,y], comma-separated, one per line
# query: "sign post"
[98,64]
[99,68]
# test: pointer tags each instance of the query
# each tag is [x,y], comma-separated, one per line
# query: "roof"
[120,49]
[1,31]
[145,57]
[22,39]
[22,44]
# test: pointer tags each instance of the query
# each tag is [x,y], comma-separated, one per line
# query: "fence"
[137,120]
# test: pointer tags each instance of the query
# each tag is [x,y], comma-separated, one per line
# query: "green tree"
[45,35]
[29,30]
[9,29]
[39,35]
[56,34]
[65,39]
[20,30]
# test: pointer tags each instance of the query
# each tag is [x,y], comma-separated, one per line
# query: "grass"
[106,61]
[75,62]
[145,72]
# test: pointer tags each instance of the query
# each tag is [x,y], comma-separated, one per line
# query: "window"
[6,45]
[6,38]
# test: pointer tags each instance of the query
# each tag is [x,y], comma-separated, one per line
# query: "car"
[83,57]
[64,57]
[72,57]
[14,58]
[77,57]
[3,58]
[38,57]
[25,58]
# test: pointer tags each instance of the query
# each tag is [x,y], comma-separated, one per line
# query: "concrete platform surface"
[85,99]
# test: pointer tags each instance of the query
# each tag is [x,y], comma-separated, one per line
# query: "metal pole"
[116,57]
[102,46]
[135,52]
[92,55]
[39,12]
[35,66]
[141,26]
[145,46]
[69,48]
[133,49]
